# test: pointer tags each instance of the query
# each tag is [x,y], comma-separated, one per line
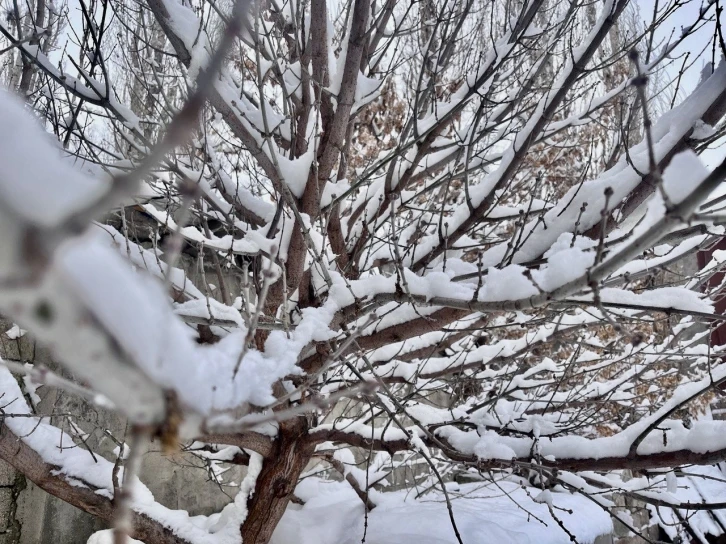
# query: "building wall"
[29,515]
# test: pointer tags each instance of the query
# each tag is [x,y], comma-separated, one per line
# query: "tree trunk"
[277,480]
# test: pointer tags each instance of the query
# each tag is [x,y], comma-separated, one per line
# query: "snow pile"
[106,537]
[484,513]
[45,192]
[684,173]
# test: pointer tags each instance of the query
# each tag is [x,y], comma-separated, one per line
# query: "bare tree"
[433,230]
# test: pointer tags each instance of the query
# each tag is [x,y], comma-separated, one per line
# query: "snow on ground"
[484,513]
[106,537]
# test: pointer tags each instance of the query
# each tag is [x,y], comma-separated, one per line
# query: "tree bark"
[27,461]
[277,481]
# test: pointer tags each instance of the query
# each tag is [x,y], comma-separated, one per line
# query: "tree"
[432,227]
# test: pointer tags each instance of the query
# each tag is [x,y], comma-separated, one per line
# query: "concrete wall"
[29,515]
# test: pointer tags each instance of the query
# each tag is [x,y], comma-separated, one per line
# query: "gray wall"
[28,515]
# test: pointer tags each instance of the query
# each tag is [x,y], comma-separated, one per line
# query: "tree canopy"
[346,239]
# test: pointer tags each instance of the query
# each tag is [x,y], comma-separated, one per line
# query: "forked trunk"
[276,481]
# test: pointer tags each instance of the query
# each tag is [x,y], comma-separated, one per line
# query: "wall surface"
[29,515]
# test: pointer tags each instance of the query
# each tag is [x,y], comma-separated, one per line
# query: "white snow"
[106,537]
[685,172]
[36,183]
[484,513]
[15,332]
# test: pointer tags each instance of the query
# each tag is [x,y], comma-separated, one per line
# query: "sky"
[694,44]
[685,15]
